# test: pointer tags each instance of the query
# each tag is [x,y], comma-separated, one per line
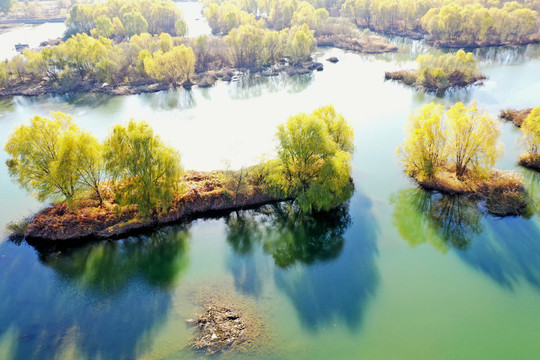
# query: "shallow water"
[395,274]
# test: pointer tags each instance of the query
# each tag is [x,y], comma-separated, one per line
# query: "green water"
[394,274]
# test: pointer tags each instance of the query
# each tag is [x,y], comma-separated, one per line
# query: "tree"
[463,139]
[246,44]
[358,11]
[53,158]
[81,18]
[531,135]
[5,5]
[134,23]
[104,26]
[173,66]
[311,166]
[181,27]
[300,43]
[148,170]
[473,140]
[424,150]
[281,13]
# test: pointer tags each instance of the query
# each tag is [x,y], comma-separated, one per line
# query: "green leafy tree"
[173,66]
[53,158]
[246,44]
[424,151]
[281,13]
[473,140]
[148,170]
[311,165]
[104,26]
[300,43]
[464,139]
[134,23]
[531,136]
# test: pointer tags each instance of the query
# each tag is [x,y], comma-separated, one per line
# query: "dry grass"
[503,191]
[530,161]
[455,80]
[515,116]
[202,192]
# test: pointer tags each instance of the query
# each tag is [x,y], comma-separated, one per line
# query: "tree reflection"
[421,216]
[289,235]
[327,278]
[532,184]
[103,301]
[159,259]
[340,288]
[254,85]
[169,99]
[506,250]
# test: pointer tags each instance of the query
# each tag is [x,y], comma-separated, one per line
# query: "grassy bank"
[205,194]
[502,193]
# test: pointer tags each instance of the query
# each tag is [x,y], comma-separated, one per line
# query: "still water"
[395,274]
[32,35]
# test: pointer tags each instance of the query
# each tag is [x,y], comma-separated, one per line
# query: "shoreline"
[515,116]
[409,78]
[204,79]
[206,196]
[502,194]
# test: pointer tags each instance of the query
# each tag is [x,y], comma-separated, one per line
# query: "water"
[32,35]
[196,22]
[395,274]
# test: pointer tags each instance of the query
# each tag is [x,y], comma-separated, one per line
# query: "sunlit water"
[397,274]
[32,35]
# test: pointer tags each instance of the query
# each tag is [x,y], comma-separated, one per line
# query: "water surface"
[395,274]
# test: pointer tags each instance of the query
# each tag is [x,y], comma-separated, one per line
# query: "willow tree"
[463,139]
[473,140]
[148,170]
[424,150]
[531,136]
[312,167]
[172,66]
[54,159]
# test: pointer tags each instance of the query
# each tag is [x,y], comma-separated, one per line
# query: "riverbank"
[368,45]
[515,116]
[206,194]
[502,193]
[454,80]
[28,87]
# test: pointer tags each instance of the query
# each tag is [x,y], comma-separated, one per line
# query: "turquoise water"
[395,274]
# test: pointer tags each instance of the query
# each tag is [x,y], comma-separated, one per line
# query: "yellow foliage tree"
[424,150]
[473,140]
[172,66]
[531,136]
[314,159]
[463,139]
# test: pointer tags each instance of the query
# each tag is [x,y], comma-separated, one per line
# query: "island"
[133,182]
[439,73]
[453,152]
[147,49]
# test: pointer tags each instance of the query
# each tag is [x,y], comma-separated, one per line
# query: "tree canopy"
[314,154]
[53,158]
[129,17]
[148,169]
[464,139]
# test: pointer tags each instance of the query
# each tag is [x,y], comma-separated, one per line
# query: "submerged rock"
[333,59]
[220,328]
